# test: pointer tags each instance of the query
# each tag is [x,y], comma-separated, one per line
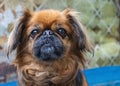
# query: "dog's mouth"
[47,51]
[48,48]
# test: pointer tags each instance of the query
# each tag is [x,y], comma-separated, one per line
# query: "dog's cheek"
[29,46]
[67,44]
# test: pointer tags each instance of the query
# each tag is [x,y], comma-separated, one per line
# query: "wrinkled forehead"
[48,17]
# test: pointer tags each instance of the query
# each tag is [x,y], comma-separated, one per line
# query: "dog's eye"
[62,32]
[34,33]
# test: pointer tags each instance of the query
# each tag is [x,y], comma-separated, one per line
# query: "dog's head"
[51,42]
[49,35]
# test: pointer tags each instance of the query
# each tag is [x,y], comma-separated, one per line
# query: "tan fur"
[61,72]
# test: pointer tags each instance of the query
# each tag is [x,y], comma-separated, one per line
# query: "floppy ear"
[79,33]
[15,35]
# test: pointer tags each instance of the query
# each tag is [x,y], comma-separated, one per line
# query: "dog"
[50,46]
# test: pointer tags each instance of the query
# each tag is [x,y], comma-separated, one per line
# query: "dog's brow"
[37,26]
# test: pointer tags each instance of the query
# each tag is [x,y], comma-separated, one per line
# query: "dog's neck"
[77,81]
[54,71]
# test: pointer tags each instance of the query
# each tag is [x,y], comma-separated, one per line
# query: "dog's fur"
[52,55]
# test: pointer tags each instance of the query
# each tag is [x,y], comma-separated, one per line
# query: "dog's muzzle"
[48,46]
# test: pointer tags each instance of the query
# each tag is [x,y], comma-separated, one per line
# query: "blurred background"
[101,17]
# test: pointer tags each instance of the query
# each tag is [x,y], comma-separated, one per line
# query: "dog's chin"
[50,51]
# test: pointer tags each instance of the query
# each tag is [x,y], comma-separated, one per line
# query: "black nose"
[48,33]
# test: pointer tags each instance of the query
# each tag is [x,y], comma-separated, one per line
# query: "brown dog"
[50,46]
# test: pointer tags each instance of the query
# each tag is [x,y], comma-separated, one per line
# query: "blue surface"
[102,76]
[14,83]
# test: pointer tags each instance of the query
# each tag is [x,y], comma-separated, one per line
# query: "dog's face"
[48,34]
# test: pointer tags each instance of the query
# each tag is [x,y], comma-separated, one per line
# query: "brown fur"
[61,72]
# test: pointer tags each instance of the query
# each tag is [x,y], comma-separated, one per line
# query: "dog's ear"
[19,26]
[79,33]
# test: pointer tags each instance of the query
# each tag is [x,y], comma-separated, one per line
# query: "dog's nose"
[47,33]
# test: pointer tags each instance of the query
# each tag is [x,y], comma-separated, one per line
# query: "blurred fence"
[101,17]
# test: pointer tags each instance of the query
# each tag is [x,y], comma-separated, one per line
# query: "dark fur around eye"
[62,32]
[34,33]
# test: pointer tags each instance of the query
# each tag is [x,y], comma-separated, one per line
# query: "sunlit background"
[101,18]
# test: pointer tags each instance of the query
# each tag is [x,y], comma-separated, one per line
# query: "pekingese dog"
[49,48]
